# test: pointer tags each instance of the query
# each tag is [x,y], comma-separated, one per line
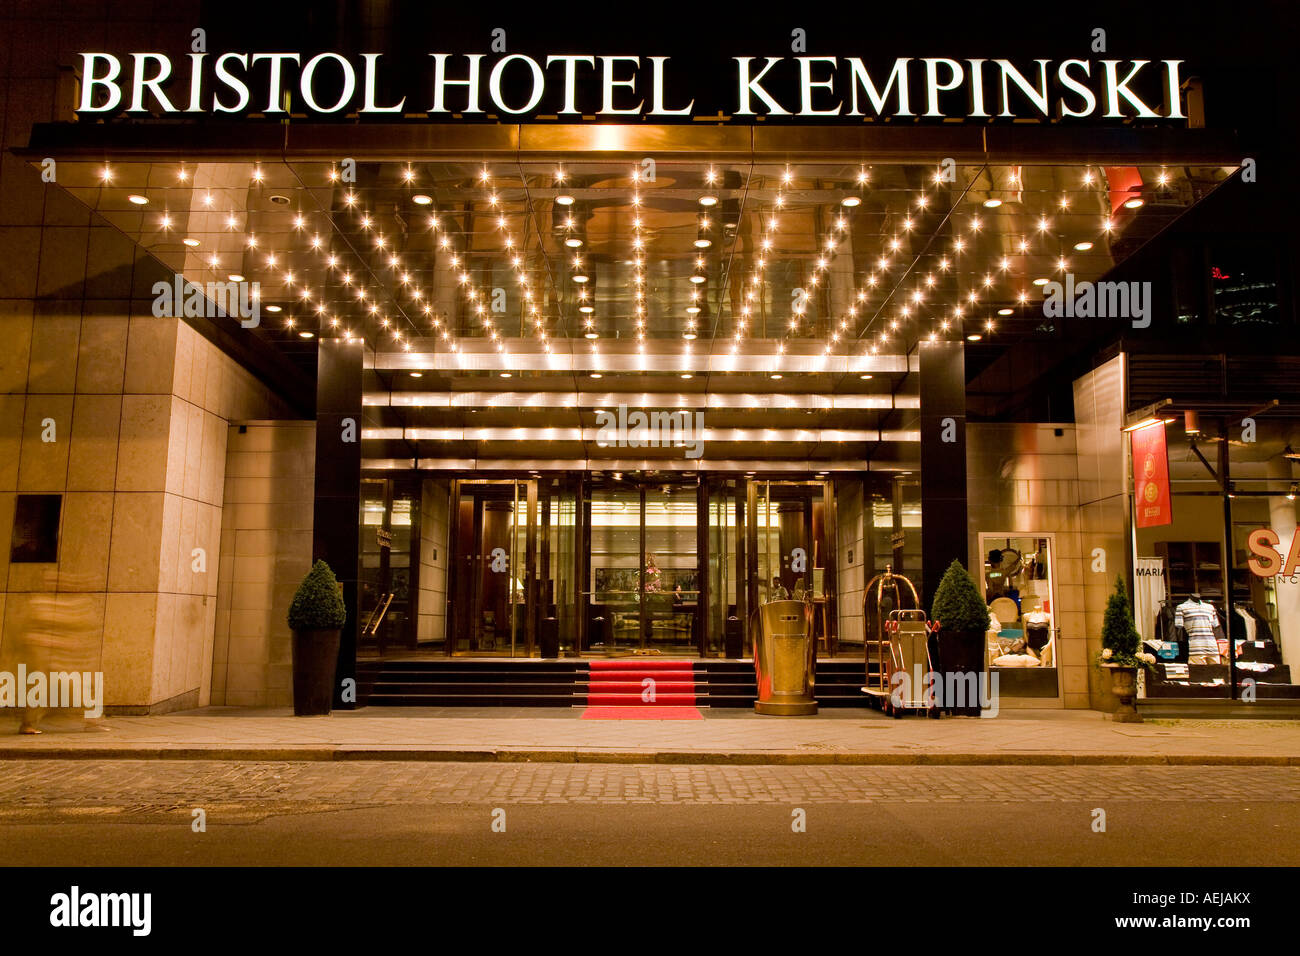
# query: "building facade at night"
[562,347]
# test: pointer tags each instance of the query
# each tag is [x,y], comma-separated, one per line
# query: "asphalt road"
[82,812]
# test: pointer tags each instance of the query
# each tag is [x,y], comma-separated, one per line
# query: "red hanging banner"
[1152,503]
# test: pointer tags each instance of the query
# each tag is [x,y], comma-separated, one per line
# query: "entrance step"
[733,684]
[515,682]
[455,682]
[632,682]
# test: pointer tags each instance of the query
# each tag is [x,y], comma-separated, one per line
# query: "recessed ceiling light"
[304,334]
[688,375]
[864,377]
[992,203]
[1083,246]
[1004,311]
[190,241]
[280,200]
[703,243]
[507,374]
[697,279]
[417,375]
[138,199]
[580,278]
[776,375]
[708,200]
[689,336]
[573,242]
[273,308]
[1040,282]
[693,309]
[564,200]
[974,337]
[1132,203]
[235,277]
[597,375]
[586,309]
[592,335]
[850,201]
[420,199]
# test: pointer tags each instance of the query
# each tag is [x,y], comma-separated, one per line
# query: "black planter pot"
[961,653]
[733,640]
[548,637]
[315,659]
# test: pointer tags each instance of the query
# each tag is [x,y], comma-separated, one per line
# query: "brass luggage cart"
[897,640]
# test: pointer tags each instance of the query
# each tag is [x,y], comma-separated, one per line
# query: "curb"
[351,752]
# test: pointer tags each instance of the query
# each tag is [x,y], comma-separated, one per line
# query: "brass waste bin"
[785,657]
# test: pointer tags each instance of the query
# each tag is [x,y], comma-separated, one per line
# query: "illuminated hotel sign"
[573,86]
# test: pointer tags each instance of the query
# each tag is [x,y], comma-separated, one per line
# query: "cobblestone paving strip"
[163,786]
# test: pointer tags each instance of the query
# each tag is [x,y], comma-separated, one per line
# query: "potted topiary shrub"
[1120,654]
[961,619]
[316,617]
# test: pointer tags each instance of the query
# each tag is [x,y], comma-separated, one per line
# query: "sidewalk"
[722,737]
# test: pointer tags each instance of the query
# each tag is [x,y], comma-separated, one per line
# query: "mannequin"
[1038,628]
[1199,619]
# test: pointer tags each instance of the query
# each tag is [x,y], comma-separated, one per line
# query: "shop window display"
[1222,624]
[1018,589]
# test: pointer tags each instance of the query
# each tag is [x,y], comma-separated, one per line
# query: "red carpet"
[638,683]
[643,712]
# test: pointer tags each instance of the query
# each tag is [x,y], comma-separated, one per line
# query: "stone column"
[337,512]
[943,461]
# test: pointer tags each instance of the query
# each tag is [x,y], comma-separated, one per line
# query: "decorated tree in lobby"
[653,576]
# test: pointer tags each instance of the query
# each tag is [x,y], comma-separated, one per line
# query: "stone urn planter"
[1121,654]
[1123,684]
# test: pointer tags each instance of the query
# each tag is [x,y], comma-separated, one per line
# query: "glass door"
[372,590]
[643,590]
[790,551]
[492,606]
[724,597]
[615,565]
[388,604]
[557,590]
[670,590]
